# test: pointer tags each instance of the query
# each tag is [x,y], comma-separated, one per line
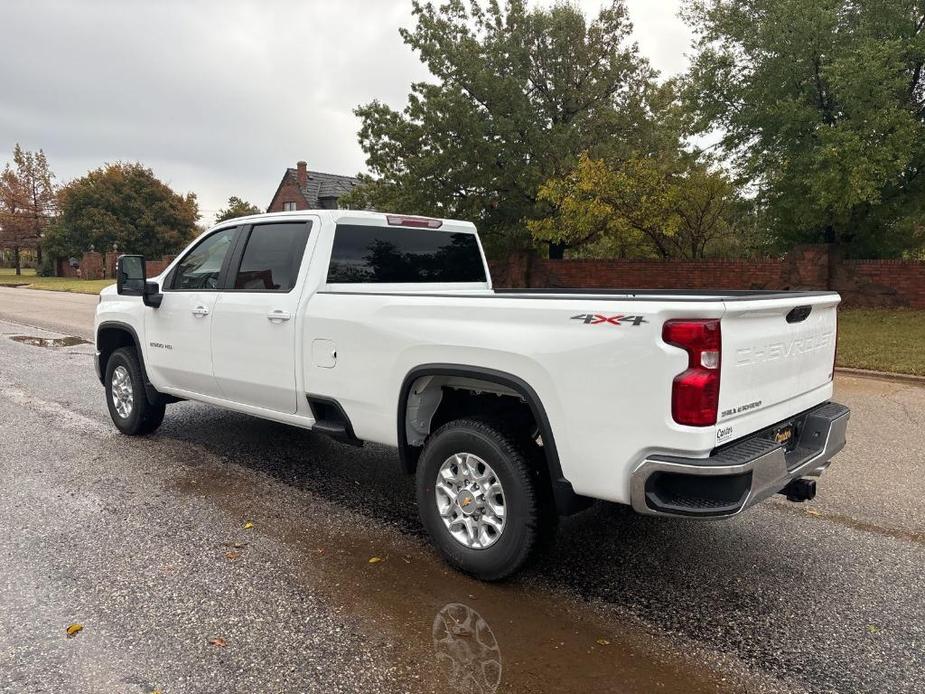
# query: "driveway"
[147,543]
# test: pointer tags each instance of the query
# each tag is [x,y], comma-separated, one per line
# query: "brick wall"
[109,263]
[64,269]
[713,274]
[860,282]
[874,283]
[96,266]
[156,267]
[92,266]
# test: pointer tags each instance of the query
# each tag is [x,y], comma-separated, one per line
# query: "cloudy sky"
[218,97]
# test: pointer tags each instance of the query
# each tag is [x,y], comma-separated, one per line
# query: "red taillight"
[424,222]
[695,393]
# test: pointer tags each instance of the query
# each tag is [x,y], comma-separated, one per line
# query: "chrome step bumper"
[741,474]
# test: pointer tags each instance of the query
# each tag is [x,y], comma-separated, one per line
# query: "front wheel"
[125,395]
[479,499]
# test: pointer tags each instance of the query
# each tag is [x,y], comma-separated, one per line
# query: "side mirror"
[130,275]
[132,280]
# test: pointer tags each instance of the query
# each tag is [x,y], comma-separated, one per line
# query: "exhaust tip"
[800,490]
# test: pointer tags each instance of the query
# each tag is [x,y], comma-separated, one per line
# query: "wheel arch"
[567,501]
[112,335]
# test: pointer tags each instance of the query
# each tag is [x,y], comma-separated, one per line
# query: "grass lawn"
[28,278]
[882,339]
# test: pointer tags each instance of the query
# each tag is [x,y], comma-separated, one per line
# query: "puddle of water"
[49,342]
[453,633]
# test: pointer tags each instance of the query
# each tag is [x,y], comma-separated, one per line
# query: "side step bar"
[331,420]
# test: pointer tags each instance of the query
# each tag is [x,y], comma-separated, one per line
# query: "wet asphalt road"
[62,311]
[143,542]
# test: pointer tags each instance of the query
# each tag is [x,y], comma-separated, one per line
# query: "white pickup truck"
[512,406]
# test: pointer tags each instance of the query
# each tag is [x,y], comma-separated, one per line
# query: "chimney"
[302,173]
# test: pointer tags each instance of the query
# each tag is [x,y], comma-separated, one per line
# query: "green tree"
[27,202]
[821,104]
[236,208]
[665,206]
[122,205]
[519,94]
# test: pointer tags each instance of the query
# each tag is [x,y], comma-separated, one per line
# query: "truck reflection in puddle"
[467,650]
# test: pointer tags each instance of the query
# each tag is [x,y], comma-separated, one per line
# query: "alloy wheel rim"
[123,396]
[470,501]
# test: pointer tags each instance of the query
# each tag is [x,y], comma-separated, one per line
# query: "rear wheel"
[479,499]
[125,395]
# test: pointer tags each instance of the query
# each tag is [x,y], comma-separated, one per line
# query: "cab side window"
[272,257]
[201,267]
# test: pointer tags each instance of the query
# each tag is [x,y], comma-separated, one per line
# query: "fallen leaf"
[218,641]
[231,556]
[235,545]
[873,629]
[603,642]
[248,525]
[375,560]
[812,512]
[74,629]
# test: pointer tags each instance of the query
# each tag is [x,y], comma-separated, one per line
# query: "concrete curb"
[881,375]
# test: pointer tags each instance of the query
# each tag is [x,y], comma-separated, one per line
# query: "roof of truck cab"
[350,217]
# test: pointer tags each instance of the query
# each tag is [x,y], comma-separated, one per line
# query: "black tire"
[143,418]
[526,517]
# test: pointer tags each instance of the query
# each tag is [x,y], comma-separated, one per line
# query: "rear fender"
[567,501]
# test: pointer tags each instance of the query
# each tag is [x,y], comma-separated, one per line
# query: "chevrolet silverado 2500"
[512,407]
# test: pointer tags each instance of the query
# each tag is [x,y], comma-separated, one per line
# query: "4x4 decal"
[599,319]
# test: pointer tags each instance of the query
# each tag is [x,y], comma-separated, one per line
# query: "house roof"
[322,185]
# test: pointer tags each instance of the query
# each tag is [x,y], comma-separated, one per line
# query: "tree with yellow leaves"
[656,206]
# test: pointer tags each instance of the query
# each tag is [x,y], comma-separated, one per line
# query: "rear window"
[389,254]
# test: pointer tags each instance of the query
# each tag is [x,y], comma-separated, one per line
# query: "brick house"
[302,189]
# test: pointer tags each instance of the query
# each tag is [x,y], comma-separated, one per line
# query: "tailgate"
[775,350]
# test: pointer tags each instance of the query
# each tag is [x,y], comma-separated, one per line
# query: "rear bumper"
[741,474]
